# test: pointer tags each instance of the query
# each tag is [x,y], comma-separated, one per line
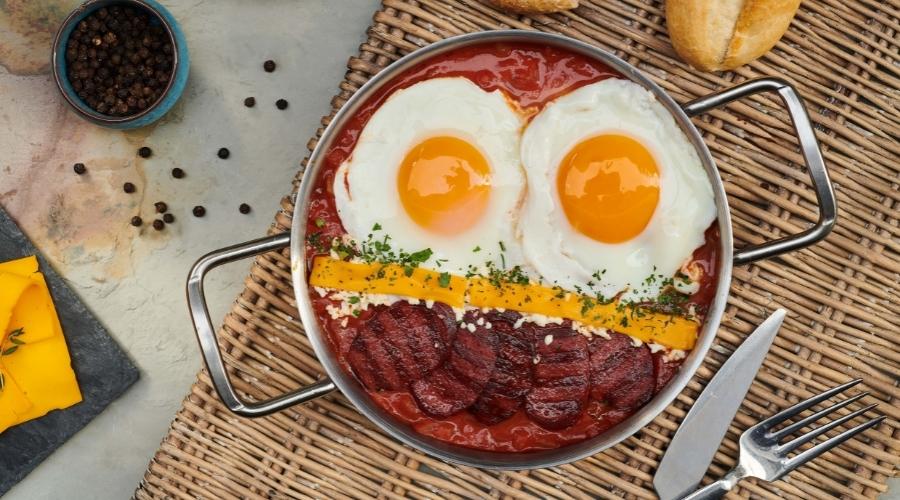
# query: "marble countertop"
[133,279]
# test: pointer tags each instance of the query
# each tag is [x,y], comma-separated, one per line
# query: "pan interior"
[478,458]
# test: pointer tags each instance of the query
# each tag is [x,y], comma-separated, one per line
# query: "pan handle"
[206,334]
[811,154]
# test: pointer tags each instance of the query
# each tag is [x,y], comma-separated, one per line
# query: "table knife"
[700,434]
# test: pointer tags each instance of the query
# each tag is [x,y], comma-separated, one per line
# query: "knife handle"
[718,488]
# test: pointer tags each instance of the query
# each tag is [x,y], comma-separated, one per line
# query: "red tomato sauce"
[531,76]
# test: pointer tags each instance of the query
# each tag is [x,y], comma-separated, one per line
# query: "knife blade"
[700,434]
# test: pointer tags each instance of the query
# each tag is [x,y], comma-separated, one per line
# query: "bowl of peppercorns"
[120,63]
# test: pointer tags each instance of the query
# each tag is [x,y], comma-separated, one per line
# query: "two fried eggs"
[598,192]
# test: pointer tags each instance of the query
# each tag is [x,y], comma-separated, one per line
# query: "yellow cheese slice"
[24,267]
[673,331]
[44,374]
[676,332]
[38,376]
[34,313]
[12,399]
[388,279]
[12,286]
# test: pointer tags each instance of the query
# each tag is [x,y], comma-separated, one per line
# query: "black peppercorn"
[136,221]
[113,49]
[177,173]
[269,66]
[79,168]
[161,207]
[168,218]
[129,187]
[199,211]
[224,153]
[145,152]
[158,225]
[250,102]
[244,208]
[281,104]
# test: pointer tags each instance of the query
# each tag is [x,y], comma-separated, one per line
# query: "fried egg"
[437,166]
[617,196]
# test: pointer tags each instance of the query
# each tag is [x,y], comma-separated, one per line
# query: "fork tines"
[773,439]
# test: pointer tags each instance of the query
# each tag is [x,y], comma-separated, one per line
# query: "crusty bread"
[716,35]
[534,6]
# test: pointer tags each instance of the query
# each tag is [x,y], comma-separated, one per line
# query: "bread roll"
[716,35]
[534,6]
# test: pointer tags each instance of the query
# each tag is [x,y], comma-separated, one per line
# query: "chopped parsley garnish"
[420,256]
[320,222]
[444,280]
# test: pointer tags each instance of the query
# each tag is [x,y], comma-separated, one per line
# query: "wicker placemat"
[842,297]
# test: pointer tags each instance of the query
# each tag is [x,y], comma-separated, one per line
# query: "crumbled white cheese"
[636,342]
[480,321]
[471,328]
[539,320]
[674,355]
[692,270]
[344,322]
[346,307]
[548,339]
[687,287]
[655,348]
[537,359]
[590,331]
[429,303]
[488,325]
[321,291]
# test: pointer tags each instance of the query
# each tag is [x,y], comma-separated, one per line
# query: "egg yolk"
[444,184]
[608,186]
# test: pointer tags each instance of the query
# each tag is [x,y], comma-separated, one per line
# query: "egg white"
[567,258]
[365,185]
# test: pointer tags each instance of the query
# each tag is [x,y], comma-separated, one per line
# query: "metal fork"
[764,456]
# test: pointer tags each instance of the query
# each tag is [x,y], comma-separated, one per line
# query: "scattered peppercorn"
[136,221]
[244,208]
[168,218]
[79,168]
[177,173]
[120,60]
[250,102]
[145,152]
[269,66]
[161,207]
[281,104]
[199,211]
[224,153]
[158,225]
[129,187]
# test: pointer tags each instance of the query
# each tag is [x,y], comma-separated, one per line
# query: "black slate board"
[103,370]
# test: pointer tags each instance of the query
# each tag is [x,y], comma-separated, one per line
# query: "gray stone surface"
[103,370]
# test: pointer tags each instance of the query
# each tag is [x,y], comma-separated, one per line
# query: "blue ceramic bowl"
[173,89]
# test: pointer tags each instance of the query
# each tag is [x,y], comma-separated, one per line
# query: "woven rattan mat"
[842,294]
